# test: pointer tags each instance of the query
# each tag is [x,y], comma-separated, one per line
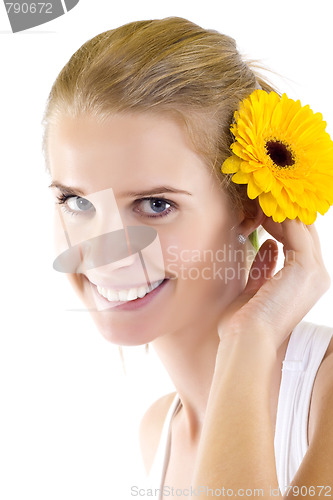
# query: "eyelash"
[62,198]
[154,198]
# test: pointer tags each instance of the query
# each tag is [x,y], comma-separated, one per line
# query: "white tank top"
[306,349]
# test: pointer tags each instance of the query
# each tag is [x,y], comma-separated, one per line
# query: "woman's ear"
[253,217]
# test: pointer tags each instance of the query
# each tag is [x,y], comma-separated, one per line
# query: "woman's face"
[140,170]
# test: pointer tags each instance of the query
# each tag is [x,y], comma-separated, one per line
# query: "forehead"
[123,148]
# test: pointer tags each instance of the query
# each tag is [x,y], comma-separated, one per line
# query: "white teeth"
[110,294]
[132,294]
[123,295]
[142,291]
[128,294]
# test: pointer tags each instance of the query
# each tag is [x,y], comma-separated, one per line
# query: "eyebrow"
[154,190]
[66,189]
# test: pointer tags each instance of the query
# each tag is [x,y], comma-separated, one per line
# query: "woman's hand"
[275,304]
[237,441]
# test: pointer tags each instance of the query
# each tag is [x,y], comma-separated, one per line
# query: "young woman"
[137,129]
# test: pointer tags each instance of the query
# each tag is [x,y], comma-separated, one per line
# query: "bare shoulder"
[322,394]
[151,428]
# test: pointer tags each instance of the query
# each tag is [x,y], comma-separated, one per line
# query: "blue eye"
[75,205]
[158,205]
[78,204]
[154,207]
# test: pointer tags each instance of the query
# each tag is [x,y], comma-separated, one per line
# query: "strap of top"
[306,349]
[158,470]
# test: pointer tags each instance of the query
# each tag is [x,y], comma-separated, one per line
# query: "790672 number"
[31,8]
[311,491]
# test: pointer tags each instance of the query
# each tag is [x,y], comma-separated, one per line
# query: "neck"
[189,359]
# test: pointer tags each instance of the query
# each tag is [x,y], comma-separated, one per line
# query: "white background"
[69,416]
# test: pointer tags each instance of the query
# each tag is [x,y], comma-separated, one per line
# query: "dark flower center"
[280,154]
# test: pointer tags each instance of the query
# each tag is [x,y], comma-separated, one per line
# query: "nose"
[105,249]
[141,262]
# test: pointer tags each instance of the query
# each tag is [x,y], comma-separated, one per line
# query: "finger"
[289,232]
[300,242]
[263,266]
[314,233]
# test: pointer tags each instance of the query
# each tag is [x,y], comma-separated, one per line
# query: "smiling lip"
[117,287]
[125,295]
[129,303]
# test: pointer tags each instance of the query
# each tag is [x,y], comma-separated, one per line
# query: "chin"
[123,334]
[128,323]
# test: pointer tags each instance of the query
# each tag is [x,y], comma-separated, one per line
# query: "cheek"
[60,243]
[77,283]
[205,256]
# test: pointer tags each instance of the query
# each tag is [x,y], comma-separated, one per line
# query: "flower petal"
[264,178]
[253,190]
[239,151]
[268,203]
[291,211]
[240,178]
[248,166]
[231,165]
[322,205]
[307,216]
[284,200]
[279,215]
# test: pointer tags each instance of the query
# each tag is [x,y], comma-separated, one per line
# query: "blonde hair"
[170,66]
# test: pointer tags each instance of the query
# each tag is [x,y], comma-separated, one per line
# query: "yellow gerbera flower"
[284,155]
